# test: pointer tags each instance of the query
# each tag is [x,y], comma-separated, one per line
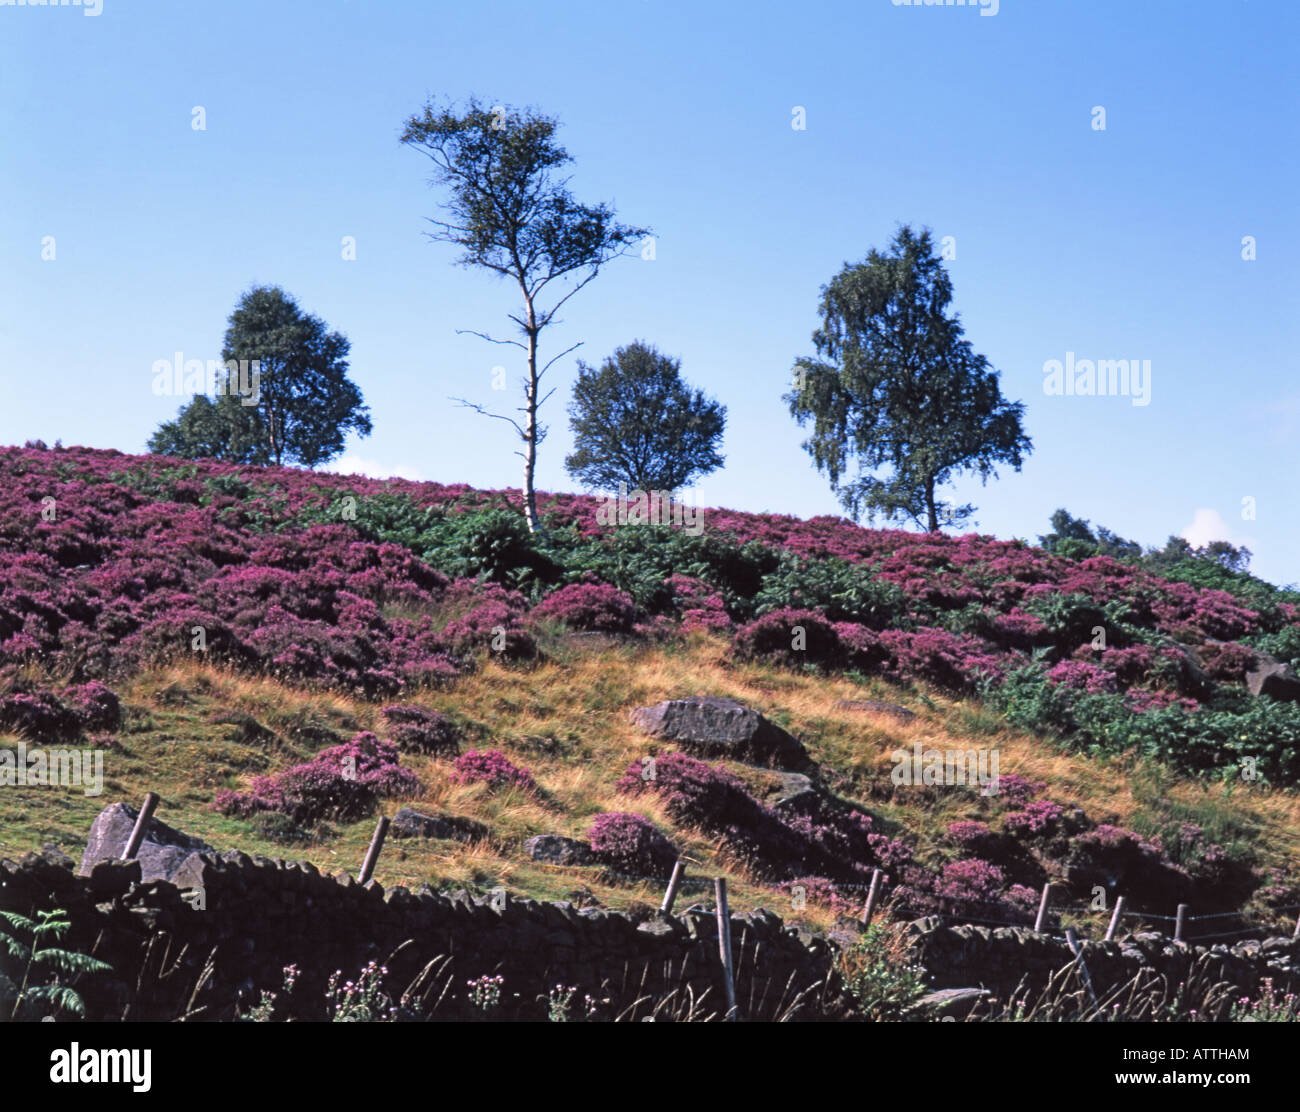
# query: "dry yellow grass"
[567,720]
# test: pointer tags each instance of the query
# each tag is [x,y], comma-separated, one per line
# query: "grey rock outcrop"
[711,726]
[1275,679]
[161,853]
[552,849]
[412,824]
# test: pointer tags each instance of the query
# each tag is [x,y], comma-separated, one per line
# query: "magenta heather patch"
[491,767]
[632,843]
[1038,818]
[791,638]
[96,707]
[342,783]
[38,716]
[591,607]
[416,729]
[956,661]
[1082,675]
[1015,791]
[698,606]
[971,880]
[969,833]
[487,617]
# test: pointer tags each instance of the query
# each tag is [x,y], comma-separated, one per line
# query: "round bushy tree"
[635,421]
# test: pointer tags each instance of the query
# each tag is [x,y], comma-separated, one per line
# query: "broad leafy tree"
[303,403]
[636,421]
[513,217]
[214,428]
[897,389]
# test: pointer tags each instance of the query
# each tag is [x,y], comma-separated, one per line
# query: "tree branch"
[557,358]
[550,314]
[489,339]
[485,413]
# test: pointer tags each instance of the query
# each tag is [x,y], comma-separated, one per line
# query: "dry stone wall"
[999,958]
[260,915]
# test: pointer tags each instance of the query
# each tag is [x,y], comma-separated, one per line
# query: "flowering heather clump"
[632,843]
[591,607]
[1015,791]
[845,837]
[1039,817]
[373,762]
[791,638]
[696,792]
[971,880]
[488,616]
[969,833]
[1082,675]
[1228,661]
[1020,629]
[342,783]
[38,716]
[936,656]
[1139,701]
[415,729]
[1107,836]
[698,605]
[491,767]
[862,646]
[96,707]
[1023,897]
[889,852]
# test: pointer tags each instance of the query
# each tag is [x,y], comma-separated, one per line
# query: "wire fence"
[967,911]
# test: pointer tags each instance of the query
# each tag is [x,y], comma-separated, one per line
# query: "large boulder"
[412,824]
[1275,679]
[795,794]
[710,726]
[552,849]
[161,852]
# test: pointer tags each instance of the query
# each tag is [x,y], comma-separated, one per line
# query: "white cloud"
[1207,526]
[372,469]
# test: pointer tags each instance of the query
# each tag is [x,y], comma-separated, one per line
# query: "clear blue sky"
[1122,243]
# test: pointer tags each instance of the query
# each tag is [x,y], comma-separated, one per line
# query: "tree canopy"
[291,400]
[512,217]
[896,386]
[635,420]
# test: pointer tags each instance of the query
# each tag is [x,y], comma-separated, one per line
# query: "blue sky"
[1123,243]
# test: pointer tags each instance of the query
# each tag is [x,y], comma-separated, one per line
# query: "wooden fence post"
[147,809]
[372,854]
[1115,918]
[1042,910]
[724,945]
[674,884]
[872,893]
[1180,922]
[1073,941]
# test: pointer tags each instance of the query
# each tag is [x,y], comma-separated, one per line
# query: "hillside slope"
[231,637]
